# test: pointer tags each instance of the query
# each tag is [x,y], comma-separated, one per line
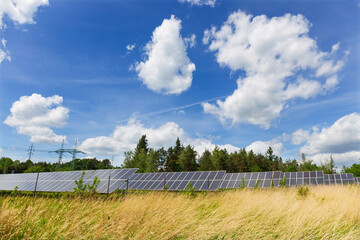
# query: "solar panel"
[176,180]
[251,179]
[342,179]
[24,181]
[303,178]
[65,181]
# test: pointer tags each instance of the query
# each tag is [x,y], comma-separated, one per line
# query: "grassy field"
[327,212]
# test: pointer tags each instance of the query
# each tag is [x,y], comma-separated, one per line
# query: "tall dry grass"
[328,212]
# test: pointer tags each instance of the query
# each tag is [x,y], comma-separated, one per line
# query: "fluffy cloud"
[1,150]
[300,136]
[125,137]
[20,11]
[342,137]
[281,62]
[167,68]
[35,115]
[199,2]
[262,147]
[342,140]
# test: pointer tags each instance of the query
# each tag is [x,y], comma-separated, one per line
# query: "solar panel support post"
[208,186]
[127,184]
[164,183]
[37,178]
[108,185]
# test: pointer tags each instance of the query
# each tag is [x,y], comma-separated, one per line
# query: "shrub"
[303,191]
[283,182]
[257,184]
[242,184]
[86,188]
[190,190]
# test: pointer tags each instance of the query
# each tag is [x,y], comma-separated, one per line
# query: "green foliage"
[15,191]
[303,191]
[257,184]
[80,186]
[307,165]
[354,169]
[283,182]
[205,163]
[328,166]
[187,159]
[86,188]
[190,190]
[242,184]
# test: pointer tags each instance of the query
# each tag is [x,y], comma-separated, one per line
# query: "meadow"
[325,212]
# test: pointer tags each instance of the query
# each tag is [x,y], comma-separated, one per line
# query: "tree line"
[184,158]
[7,165]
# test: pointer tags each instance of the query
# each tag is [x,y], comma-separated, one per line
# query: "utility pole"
[30,151]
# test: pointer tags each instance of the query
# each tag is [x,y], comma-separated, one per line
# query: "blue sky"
[286,74]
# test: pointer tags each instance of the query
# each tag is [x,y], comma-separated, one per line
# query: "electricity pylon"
[63,150]
[30,151]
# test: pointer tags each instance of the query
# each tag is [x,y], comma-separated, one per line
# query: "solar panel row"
[251,179]
[64,181]
[301,178]
[112,179]
[344,178]
[176,180]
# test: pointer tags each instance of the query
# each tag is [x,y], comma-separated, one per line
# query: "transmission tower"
[30,151]
[63,150]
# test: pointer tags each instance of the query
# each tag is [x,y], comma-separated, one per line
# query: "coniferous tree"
[187,159]
[205,163]
[219,158]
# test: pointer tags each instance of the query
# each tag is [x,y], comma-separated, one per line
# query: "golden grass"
[328,212]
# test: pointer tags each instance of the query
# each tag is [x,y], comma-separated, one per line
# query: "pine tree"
[187,159]
[205,163]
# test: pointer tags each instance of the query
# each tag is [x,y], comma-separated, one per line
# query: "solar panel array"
[344,178]
[207,180]
[112,179]
[64,181]
[250,179]
[303,178]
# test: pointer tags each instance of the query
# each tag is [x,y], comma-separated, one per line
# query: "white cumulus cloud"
[280,61]
[20,11]
[262,147]
[341,140]
[167,68]
[210,3]
[35,115]
[125,138]
[300,136]
[341,137]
